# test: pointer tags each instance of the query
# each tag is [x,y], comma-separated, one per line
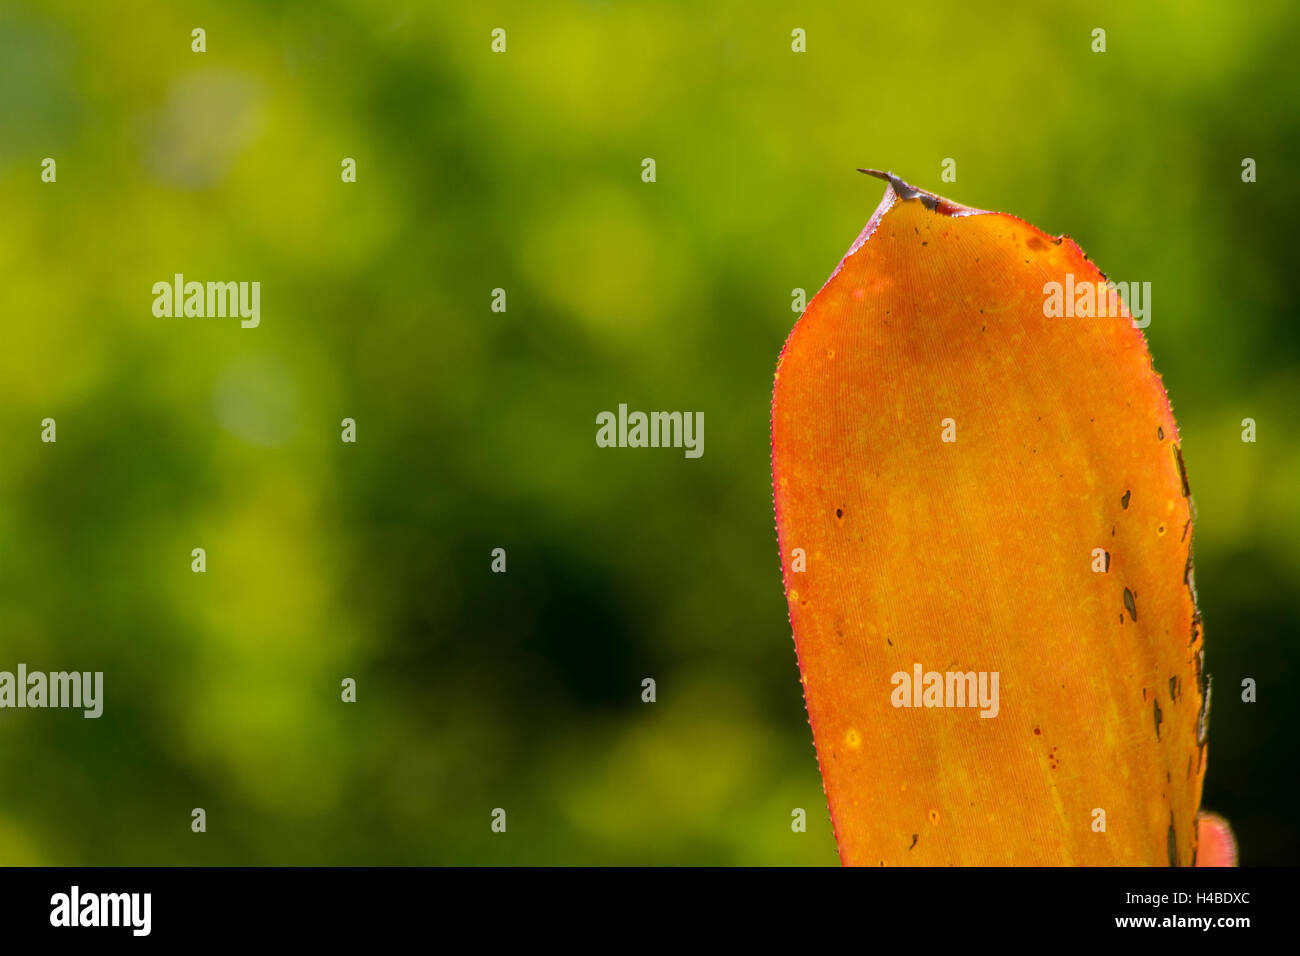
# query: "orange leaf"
[977,488]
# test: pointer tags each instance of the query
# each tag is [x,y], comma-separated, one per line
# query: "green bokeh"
[475,428]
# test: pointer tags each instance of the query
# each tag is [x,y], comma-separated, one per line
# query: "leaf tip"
[932,201]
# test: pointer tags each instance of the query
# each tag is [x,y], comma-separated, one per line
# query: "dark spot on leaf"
[1173,841]
[1037,732]
[1124,501]
[1182,470]
[839,512]
[1203,718]
[1173,688]
[1130,605]
[1159,717]
[914,839]
[1189,578]
[1160,433]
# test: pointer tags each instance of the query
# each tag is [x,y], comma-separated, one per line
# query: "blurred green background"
[476,429]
